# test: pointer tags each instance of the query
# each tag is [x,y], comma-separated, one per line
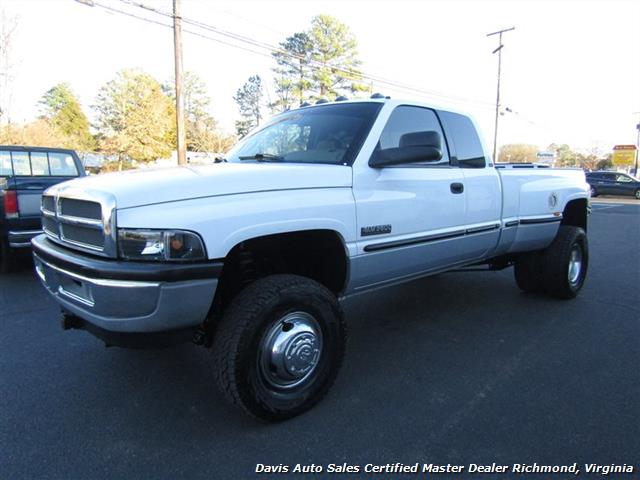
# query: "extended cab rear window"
[463,139]
[37,164]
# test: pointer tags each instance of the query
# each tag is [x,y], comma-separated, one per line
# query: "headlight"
[160,245]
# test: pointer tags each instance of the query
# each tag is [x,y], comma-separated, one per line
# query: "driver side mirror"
[413,147]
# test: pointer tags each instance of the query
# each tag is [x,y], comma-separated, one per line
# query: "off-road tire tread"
[555,258]
[242,310]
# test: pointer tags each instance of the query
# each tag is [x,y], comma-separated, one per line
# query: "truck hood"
[143,187]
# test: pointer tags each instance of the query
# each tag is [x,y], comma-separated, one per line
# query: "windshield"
[324,134]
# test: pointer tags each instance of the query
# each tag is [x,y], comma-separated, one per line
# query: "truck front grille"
[83,236]
[80,208]
[79,223]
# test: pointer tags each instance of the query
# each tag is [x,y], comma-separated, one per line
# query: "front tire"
[637,194]
[279,346]
[565,262]
[594,192]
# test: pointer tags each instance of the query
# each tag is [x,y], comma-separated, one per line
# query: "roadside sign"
[547,158]
[624,155]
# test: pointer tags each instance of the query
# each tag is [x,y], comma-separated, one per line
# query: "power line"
[156,22]
[276,49]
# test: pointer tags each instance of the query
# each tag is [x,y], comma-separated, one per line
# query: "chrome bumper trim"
[96,281]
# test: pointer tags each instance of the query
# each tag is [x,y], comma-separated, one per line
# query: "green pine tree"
[61,109]
[249,100]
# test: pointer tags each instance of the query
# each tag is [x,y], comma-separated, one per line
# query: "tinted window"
[62,164]
[39,164]
[405,119]
[323,134]
[21,164]
[463,138]
[623,178]
[5,164]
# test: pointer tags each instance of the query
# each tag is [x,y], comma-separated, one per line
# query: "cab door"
[410,217]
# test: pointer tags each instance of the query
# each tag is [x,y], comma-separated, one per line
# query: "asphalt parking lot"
[458,368]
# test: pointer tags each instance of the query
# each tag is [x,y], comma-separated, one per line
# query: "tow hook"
[203,336]
[70,321]
[199,337]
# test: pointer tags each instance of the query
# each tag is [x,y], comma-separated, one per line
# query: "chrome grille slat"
[84,222]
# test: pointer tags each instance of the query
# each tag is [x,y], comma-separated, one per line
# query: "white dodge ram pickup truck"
[251,256]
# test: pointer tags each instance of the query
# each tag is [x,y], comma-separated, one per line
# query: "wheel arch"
[575,213]
[319,254]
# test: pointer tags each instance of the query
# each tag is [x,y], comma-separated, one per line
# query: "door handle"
[457,187]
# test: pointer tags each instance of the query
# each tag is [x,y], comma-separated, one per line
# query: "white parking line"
[604,207]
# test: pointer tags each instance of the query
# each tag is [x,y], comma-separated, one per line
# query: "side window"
[39,164]
[5,164]
[622,178]
[21,164]
[406,119]
[62,165]
[463,135]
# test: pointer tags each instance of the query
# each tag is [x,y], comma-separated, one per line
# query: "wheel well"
[575,214]
[316,254]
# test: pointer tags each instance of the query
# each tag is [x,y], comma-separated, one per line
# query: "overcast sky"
[571,69]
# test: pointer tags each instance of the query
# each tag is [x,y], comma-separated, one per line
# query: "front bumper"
[129,297]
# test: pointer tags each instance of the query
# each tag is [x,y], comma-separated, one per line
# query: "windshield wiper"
[262,157]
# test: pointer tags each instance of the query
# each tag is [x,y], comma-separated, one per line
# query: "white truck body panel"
[395,223]
[225,221]
[162,185]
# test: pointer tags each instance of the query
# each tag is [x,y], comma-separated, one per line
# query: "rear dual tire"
[560,269]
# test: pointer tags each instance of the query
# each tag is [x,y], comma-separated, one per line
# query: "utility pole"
[499,50]
[177,44]
[637,149]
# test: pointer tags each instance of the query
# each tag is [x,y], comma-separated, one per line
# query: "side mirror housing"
[413,147]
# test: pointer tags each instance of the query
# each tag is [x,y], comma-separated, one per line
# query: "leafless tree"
[8,28]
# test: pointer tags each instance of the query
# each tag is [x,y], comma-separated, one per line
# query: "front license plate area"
[76,290]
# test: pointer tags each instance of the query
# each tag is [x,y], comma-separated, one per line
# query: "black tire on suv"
[279,346]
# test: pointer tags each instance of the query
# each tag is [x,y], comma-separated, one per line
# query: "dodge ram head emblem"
[553,200]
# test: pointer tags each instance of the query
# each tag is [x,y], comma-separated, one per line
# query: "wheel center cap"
[301,354]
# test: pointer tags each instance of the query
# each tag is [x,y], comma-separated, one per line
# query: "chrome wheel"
[290,350]
[638,194]
[575,265]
